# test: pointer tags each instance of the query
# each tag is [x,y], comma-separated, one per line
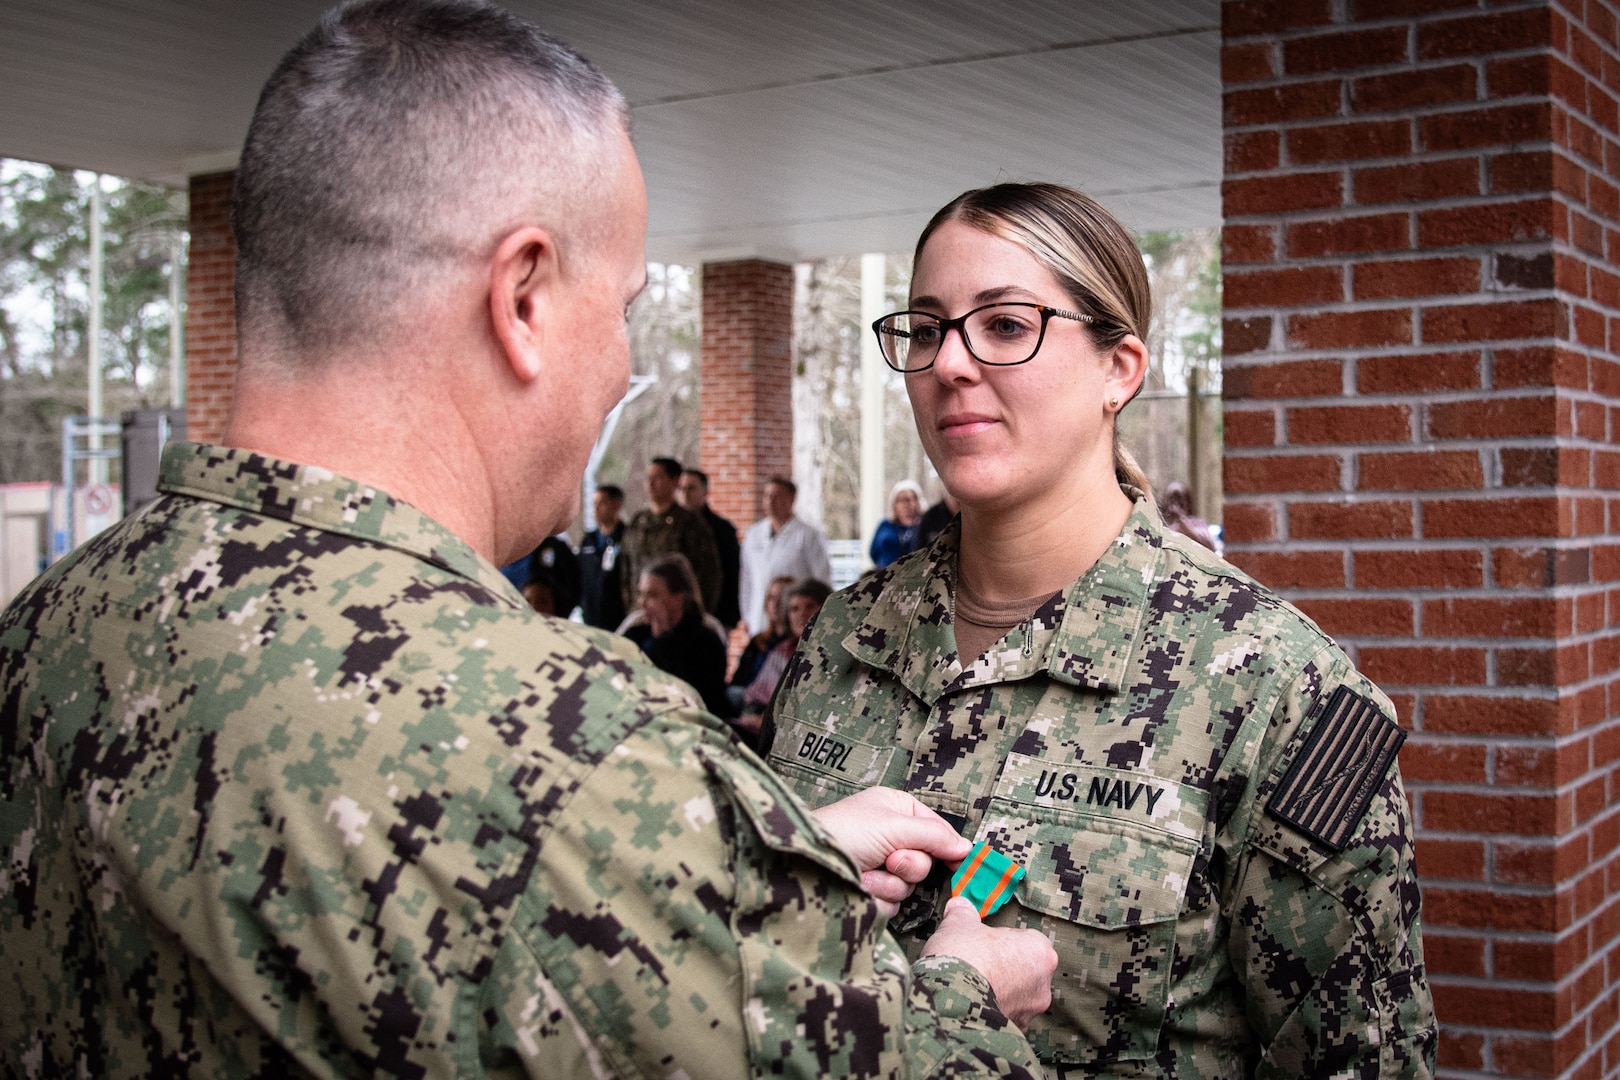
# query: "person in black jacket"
[600,601]
[693,493]
[674,635]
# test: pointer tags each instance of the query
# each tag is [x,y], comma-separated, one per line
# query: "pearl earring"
[1113,403]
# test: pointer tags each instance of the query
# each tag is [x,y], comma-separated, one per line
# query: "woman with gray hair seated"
[896,534]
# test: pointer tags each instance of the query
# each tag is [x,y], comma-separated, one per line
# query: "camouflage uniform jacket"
[651,534]
[1125,744]
[293,783]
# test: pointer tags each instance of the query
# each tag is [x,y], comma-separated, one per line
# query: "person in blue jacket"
[896,534]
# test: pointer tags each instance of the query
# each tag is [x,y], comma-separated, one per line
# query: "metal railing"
[88,430]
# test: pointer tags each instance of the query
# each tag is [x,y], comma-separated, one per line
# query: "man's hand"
[1018,963]
[894,840]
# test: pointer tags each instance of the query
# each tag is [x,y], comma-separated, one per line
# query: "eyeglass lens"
[999,334]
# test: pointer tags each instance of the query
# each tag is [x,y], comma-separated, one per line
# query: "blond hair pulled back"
[1085,248]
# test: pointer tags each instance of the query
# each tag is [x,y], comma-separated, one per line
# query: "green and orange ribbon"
[986,878]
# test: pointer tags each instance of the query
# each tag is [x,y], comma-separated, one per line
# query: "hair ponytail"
[1127,471]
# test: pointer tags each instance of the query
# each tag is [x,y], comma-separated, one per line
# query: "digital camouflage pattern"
[292,782]
[1122,744]
[677,530]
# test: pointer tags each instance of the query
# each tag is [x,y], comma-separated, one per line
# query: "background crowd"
[677,580]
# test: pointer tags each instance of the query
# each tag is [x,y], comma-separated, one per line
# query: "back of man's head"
[391,149]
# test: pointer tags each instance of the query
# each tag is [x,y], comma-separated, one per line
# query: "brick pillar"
[746,425]
[1422,222]
[210,309]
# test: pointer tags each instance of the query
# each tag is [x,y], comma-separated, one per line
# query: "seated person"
[898,533]
[672,631]
[804,601]
[538,592]
[1176,507]
[555,564]
[760,645]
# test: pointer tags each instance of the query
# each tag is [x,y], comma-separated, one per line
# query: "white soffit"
[787,130]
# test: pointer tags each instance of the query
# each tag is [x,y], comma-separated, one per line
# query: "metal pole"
[62,534]
[1195,438]
[177,352]
[874,374]
[98,467]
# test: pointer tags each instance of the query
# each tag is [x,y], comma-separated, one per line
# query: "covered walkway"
[1421,201]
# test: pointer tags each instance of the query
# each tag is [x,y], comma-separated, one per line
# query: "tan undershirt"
[980,624]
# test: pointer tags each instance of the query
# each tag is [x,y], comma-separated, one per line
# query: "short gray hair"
[398,140]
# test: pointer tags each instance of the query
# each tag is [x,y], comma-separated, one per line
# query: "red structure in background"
[1422,404]
[210,309]
[745,432]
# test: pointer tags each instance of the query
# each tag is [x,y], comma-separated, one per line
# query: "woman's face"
[801,609]
[906,510]
[661,606]
[773,603]
[1002,437]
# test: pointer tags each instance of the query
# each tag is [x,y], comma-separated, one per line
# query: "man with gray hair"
[292,782]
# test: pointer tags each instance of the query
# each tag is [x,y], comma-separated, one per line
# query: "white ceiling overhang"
[765,128]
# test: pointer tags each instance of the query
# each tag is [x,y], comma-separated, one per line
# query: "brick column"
[210,309]
[1422,222]
[746,418]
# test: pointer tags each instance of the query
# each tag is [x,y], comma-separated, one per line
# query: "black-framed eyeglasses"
[1000,335]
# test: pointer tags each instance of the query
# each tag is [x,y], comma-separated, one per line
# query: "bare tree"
[44,252]
[828,333]
[665,343]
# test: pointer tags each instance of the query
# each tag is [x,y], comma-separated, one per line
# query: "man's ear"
[1127,367]
[524,277]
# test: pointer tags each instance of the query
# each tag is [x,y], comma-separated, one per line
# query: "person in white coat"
[778,544]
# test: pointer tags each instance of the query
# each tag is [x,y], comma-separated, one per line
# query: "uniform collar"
[319,498]
[1084,639]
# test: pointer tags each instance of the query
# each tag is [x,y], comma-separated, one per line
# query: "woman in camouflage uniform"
[1199,784]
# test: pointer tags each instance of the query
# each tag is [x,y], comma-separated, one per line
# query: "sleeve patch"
[1332,781]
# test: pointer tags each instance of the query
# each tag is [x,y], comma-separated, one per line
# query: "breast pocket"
[1108,891]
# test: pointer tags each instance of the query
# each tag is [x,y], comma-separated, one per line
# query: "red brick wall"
[210,309]
[746,425]
[1422,402]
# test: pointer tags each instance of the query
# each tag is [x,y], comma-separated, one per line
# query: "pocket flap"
[1085,870]
[783,822]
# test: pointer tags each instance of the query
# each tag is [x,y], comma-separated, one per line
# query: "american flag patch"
[1330,784]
